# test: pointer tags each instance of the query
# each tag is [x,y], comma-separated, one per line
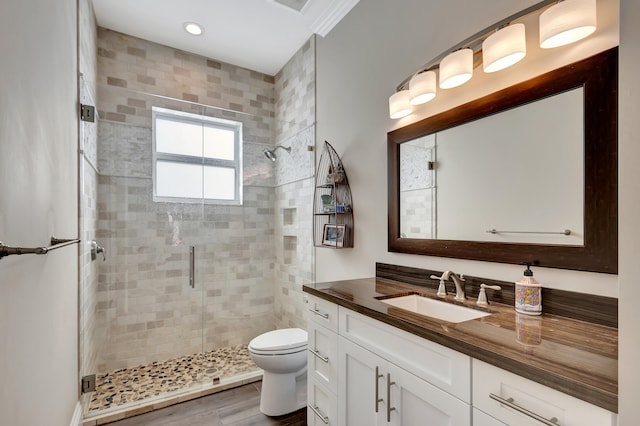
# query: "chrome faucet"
[458,281]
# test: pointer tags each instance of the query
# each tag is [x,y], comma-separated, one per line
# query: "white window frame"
[220,123]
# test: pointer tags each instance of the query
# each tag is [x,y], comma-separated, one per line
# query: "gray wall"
[38,171]
[629,206]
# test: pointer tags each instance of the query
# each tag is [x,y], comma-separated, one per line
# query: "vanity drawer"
[323,356]
[442,367]
[492,383]
[322,312]
[322,405]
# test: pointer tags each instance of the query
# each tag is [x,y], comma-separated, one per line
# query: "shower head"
[271,153]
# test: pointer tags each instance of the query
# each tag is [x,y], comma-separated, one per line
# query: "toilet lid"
[278,340]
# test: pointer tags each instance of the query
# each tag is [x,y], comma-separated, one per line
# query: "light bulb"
[504,48]
[399,104]
[567,22]
[422,88]
[456,68]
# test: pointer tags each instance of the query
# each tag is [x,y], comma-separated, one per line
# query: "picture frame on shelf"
[333,235]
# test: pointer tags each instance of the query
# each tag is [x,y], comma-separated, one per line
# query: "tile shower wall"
[417,189]
[146,310]
[146,67]
[295,87]
[294,178]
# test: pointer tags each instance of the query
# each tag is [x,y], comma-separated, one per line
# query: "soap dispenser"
[528,294]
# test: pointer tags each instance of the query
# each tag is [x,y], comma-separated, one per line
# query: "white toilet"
[282,354]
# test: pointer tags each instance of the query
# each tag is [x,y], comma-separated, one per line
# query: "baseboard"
[76,420]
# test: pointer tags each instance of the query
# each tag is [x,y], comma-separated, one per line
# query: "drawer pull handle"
[320,314]
[509,403]
[316,410]
[389,407]
[378,399]
[322,358]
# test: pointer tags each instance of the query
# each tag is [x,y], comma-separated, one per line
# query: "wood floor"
[239,406]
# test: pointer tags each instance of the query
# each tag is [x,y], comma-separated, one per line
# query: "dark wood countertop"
[574,357]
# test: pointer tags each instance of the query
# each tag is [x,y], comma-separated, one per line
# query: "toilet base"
[283,393]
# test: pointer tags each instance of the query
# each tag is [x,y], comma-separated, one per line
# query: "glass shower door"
[237,262]
[147,331]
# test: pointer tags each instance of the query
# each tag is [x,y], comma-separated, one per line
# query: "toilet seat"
[279,342]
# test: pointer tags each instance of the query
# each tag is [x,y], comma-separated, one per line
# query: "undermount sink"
[434,308]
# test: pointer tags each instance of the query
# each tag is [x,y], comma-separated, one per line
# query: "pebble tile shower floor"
[135,384]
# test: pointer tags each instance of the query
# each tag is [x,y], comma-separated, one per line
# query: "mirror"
[533,196]
[527,174]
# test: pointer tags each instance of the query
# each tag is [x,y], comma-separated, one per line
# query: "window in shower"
[196,158]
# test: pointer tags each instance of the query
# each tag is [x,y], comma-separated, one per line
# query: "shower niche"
[333,223]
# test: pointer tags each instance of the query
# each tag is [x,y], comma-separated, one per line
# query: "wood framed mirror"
[597,249]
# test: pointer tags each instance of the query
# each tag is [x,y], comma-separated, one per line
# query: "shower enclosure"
[189,272]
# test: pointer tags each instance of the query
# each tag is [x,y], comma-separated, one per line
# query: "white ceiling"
[261,35]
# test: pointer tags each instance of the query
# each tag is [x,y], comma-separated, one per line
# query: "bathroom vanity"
[374,363]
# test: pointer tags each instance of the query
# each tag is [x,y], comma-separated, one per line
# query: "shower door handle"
[192,266]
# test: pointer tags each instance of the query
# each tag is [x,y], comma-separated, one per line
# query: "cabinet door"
[415,402]
[482,419]
[361,390]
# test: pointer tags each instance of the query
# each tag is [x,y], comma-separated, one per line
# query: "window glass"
[178,180]
[178,137]
[196,157]
[219,183]
[219,143]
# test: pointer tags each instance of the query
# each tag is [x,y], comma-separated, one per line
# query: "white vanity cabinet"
[365,372]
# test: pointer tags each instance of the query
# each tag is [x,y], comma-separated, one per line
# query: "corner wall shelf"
[333,223]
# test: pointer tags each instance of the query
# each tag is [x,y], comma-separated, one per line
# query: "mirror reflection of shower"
[271,153]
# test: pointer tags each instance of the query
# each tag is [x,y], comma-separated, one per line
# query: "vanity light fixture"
[504,48]
[422,87]
[193,28]
[456,68]
[399,104]
[567,22]
[503,44]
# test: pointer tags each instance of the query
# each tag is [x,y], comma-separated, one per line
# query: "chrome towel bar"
[55,244]
[494,231]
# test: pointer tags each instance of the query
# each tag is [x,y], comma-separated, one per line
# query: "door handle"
[389,407]
[324,359]
[192,266]
[320,314]
[378,399]
[317,412]
[509,403]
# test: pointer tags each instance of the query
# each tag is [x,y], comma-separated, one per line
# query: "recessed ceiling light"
[193,28]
